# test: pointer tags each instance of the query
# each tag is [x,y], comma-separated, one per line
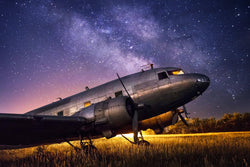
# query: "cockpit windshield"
[175,72]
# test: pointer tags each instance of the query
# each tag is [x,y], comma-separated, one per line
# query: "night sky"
[51,49]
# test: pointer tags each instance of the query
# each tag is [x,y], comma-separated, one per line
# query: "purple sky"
[51,49]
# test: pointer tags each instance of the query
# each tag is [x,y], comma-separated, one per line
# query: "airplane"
[147,99]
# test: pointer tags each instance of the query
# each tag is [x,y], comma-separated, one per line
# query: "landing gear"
[138,141]
[142,141]
[87,147]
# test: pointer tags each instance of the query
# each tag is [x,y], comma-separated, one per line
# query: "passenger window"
[162,75]
[119,93]
[86,104]
[60,113]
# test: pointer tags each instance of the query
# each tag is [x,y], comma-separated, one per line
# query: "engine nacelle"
[109,115]
[157,123]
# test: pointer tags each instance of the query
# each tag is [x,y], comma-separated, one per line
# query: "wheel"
[89,149]
[143,143]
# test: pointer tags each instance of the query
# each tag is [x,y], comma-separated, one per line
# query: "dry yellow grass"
[209,149]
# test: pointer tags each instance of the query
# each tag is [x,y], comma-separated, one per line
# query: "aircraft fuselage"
[161,89]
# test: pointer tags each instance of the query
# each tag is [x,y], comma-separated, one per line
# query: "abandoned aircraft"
[147,99]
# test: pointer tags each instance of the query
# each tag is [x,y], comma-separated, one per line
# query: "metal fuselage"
[161,92]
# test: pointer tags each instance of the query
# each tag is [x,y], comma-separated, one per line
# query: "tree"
[229,122]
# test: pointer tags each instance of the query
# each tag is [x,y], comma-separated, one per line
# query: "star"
[50,49]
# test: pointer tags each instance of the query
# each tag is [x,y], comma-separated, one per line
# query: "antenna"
[148,66]
[59,98]
[152,66]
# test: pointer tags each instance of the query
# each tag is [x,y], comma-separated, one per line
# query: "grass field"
[207,149]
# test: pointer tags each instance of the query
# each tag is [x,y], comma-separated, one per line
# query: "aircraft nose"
[202,83]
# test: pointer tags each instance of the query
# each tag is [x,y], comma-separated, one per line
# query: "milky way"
[51,49]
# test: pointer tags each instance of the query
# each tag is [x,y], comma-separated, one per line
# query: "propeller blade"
[124,87]
[135,116]
[135,126]
[183,119]
[184,108]
[185,111]
[175,118]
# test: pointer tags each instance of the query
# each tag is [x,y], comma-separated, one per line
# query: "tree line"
[228,123]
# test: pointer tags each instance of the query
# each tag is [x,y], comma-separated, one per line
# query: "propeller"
[135,116]
[183,119]
[175,117]
[186,114]
[135,126]
[185,111]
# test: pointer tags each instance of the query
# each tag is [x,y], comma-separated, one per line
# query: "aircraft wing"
[22,129]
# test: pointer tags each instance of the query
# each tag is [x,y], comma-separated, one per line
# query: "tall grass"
[213,149]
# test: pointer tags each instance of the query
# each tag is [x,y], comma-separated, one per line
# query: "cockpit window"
[175,72]
[162,75]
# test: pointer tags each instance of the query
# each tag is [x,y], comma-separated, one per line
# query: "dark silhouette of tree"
[228,123]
